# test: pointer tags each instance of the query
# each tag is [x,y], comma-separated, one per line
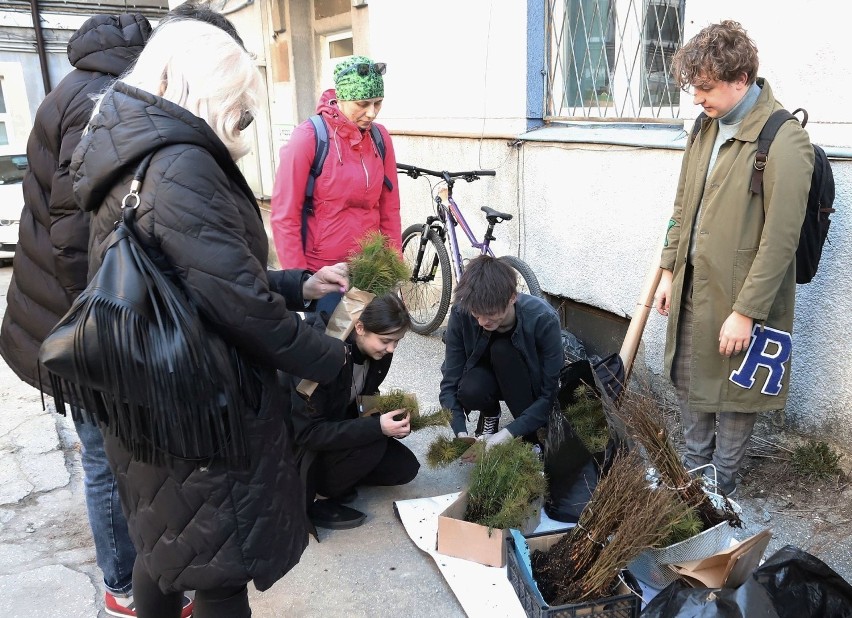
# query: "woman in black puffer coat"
[207,526]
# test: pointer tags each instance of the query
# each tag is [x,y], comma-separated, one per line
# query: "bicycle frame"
[429,289]
[452,217]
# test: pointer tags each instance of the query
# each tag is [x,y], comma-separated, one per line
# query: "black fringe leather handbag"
[134,354]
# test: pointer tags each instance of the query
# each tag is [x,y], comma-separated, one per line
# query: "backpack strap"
[764,141]
[379,141]
[696,128]
[320,153]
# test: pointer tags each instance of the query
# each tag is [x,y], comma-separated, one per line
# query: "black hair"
[486,286]
[202,11]
[385,315]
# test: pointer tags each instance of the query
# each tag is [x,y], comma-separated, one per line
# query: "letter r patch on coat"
[769,348]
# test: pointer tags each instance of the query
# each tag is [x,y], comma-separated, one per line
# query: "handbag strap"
[132,200]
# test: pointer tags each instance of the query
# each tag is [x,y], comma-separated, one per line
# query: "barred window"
[611,59]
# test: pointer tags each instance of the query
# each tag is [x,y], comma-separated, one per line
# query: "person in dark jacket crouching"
[215,524]
[337,447]
[501,345]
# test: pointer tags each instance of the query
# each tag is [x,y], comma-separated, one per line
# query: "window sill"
[644,135]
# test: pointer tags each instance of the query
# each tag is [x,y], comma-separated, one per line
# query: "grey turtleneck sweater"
[729,124]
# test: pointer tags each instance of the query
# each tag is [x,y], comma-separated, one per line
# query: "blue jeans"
[327,303]
[113,548]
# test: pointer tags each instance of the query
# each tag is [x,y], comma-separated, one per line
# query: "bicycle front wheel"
[527,281]
[427,292]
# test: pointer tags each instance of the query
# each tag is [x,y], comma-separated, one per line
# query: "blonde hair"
[202,69]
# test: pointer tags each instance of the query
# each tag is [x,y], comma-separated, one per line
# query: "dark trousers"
[384,462]
[500,375]
[151,602]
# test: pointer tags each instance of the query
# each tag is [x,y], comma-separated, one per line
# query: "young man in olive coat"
[729,273]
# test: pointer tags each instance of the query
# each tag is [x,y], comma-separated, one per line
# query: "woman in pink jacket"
[356,191]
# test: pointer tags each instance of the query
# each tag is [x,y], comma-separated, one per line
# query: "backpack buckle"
[760,161]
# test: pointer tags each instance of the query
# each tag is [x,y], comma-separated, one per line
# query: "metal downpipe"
[42,54]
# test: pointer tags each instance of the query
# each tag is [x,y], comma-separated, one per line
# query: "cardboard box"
[469,541]
[626,603]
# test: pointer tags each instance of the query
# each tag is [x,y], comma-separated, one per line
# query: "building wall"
[590,217]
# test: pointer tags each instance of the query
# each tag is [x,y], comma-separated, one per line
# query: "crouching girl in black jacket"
[337,448]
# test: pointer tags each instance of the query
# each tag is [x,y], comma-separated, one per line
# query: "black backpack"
[320,154]
[820,197]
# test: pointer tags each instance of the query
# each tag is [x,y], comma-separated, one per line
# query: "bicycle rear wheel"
[527,281]
[427,292]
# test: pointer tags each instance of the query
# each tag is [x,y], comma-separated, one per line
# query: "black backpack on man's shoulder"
[820,197]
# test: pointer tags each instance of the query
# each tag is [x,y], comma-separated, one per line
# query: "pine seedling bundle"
[375,268]
[587,418]
[505,481]
[400,400]
[444,451]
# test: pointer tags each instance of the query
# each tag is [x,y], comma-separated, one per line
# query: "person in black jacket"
[50,264]
[500,345]
[337,447]
[212,525]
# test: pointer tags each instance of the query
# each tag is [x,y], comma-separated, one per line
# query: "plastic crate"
[621,606]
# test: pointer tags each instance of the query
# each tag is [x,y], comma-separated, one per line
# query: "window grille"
[611,59]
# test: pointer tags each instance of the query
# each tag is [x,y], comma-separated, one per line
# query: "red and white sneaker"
[123,606]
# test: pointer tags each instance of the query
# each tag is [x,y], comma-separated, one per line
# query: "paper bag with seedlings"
[374,269]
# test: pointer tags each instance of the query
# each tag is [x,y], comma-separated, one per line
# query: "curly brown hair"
[720,51]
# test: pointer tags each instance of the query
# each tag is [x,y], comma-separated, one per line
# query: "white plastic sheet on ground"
[481,590]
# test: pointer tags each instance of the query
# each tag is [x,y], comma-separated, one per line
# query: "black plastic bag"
[572,348]
[680,600]
[790,584]
[570,493]
[802,585]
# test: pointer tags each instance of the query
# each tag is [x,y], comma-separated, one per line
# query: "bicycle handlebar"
[416,172]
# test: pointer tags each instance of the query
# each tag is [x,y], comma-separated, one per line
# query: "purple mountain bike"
[427,293]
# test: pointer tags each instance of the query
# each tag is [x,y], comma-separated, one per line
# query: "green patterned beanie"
[350,85]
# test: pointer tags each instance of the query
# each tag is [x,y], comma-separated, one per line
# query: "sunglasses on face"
[246,118]
[363,69]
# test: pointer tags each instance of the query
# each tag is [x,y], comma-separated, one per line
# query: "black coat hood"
[52,256]
[108,43]
[130,124]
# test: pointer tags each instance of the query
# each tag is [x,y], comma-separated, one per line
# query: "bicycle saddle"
[495,216]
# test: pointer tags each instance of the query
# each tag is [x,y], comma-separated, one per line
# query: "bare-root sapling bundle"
[623,518]
[641,414]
